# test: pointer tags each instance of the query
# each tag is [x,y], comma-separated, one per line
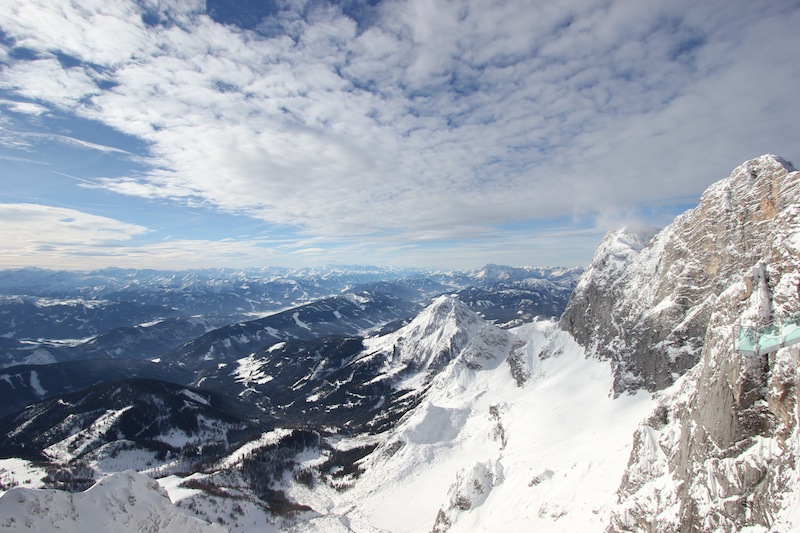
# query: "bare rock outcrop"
[645,304]
[720,451]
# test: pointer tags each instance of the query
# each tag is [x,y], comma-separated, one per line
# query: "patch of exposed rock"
[646,304]
[719,452]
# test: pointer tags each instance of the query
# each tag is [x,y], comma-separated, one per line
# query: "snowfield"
[124,502]
[19,472]
[483,454]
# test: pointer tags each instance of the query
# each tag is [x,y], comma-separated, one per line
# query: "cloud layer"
[419,121]
[32,231]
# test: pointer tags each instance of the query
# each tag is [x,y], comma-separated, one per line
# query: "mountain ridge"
[633,412]
[662,291]
[727,431]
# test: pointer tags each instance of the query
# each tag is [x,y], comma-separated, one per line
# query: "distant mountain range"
[427,401]
[54,316]
[113,377]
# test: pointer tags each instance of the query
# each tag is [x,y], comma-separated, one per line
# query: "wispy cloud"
[23,160]
[427,121]
[32,230]
[23,107]
[79,143]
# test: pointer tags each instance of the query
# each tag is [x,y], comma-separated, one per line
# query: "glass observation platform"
[768,338]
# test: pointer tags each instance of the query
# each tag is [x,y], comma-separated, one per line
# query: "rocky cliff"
[645,304]
[719,452]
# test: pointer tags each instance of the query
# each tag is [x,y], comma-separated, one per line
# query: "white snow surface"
[195,397]
[493,456]
[299,322]
[270,437]
[249,370]
[436,336]
[39,356]
[150,323]
[36,385]
[19,472]
[125,502]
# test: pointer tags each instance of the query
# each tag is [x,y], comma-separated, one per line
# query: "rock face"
[719,452]
[645,305]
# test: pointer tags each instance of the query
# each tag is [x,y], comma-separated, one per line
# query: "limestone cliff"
[645,305]
[719,453]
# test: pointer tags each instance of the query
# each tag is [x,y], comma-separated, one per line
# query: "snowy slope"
[125,502]
[547,455]
[138,424]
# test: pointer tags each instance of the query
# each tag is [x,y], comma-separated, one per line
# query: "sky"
[428,133]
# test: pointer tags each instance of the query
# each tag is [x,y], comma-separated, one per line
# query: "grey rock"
[645,304]
[719,452]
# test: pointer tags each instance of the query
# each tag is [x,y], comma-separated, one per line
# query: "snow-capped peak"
[436,336]
[443,311]
[616,250]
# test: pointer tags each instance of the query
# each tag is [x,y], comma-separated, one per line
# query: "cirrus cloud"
[30,231]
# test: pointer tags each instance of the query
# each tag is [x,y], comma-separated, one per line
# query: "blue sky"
[448,134]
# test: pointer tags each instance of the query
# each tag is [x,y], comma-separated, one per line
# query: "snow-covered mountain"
[51,316]
[162,422]
[147,340]
[634,412]
[720,451]
[645,303]
[33,317]
[502,433]
[207,289]
[477,450]
[484,452]
[349,314]
[355,383]
[513,303]
[126,502]
[45,304]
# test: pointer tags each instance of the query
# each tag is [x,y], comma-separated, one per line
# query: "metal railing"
[767,338]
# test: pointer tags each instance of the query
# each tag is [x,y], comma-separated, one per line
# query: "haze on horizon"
[428,133]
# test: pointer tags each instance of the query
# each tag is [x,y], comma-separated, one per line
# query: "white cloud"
[102,32]
[24,107]
[48,81]
[31,231]
[439,120]
[33,234]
